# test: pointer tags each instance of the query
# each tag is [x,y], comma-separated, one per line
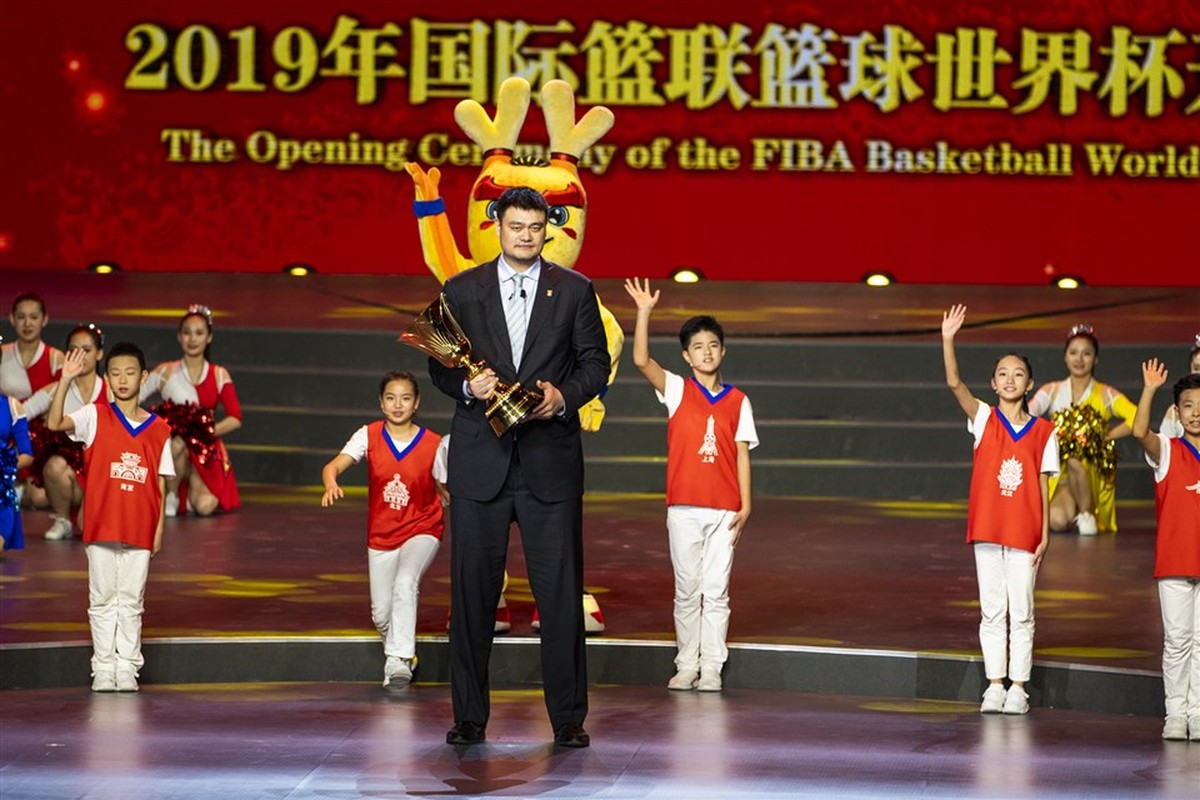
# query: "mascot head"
[557,180]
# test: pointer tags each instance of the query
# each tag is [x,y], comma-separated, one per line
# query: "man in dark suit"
[538,323]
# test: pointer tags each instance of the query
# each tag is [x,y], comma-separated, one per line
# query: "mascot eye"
[558,216]
[491,210]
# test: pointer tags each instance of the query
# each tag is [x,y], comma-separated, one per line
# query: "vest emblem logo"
[128,469]
[395,494]
[1011,476]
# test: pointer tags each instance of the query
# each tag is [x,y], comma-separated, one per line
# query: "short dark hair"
[522,197]
[125,349]
[1187,382]
[695,325]
[400,375]
[29,297]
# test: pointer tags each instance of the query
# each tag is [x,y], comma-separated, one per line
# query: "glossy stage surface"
[352,740]
[853,574]
[826,573]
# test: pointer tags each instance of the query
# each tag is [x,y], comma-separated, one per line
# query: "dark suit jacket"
[565,345]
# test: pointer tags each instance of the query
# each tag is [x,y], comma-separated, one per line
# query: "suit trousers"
[552,539]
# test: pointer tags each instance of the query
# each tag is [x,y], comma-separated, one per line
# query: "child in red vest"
[1007,517]
[126,461]
[710,432]
[406,473]
[1176,463]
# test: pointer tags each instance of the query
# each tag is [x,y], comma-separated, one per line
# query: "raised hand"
[72,364]
[952,320]
[1154,373]
[640,292]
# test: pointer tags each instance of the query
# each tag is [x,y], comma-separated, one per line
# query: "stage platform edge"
[515,663]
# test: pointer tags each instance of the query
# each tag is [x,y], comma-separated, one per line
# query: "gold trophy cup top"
[437,333]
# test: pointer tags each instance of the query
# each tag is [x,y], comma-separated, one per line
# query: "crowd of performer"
[74,436]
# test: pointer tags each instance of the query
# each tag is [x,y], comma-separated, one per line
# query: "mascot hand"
[426,183]
[591,415]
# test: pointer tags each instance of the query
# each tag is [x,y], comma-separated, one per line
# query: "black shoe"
[465,733]
[571,735]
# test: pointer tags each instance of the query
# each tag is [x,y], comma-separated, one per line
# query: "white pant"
[1180,601]
[116,589]
[1006,579]
[702,555]
[395,583]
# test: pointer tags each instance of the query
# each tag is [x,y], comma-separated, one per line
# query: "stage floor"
[838,573]
[353,740]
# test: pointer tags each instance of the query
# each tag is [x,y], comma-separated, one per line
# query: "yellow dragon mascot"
[558,180]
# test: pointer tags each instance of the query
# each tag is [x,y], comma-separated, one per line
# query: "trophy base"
[510,405]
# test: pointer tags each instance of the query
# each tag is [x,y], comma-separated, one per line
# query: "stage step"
[858,419]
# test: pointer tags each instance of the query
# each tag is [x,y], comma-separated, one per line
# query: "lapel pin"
[549,293]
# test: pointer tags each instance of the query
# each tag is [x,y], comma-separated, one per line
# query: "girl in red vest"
[406,473]
[1176,463]
[1007,517]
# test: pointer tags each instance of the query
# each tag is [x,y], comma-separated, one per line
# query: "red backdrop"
[88,98]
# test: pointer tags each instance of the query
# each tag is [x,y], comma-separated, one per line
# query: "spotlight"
[1067,282]
[298,270]
[95,101]
[104,267]
[687,275]
[879,279]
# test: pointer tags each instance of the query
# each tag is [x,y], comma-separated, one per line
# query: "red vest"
[1177,503]
[402,494]
[1006,502]
[702,448]
[122,502]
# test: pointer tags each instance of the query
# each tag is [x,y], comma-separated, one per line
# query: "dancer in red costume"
[57,470]
[192,388]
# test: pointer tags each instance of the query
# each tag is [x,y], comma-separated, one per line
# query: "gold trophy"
[437,333]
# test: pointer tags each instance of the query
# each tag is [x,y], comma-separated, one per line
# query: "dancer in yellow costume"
[1083,495]
[557,179]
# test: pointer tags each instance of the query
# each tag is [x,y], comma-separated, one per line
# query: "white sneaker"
[1016,701]
[1175,729]
[684,680]
[993,699]
[710,680]
[1194,726]
[397,672]
[126,680]
[1085,523]
[104,680]
[171,504]
[61,528]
